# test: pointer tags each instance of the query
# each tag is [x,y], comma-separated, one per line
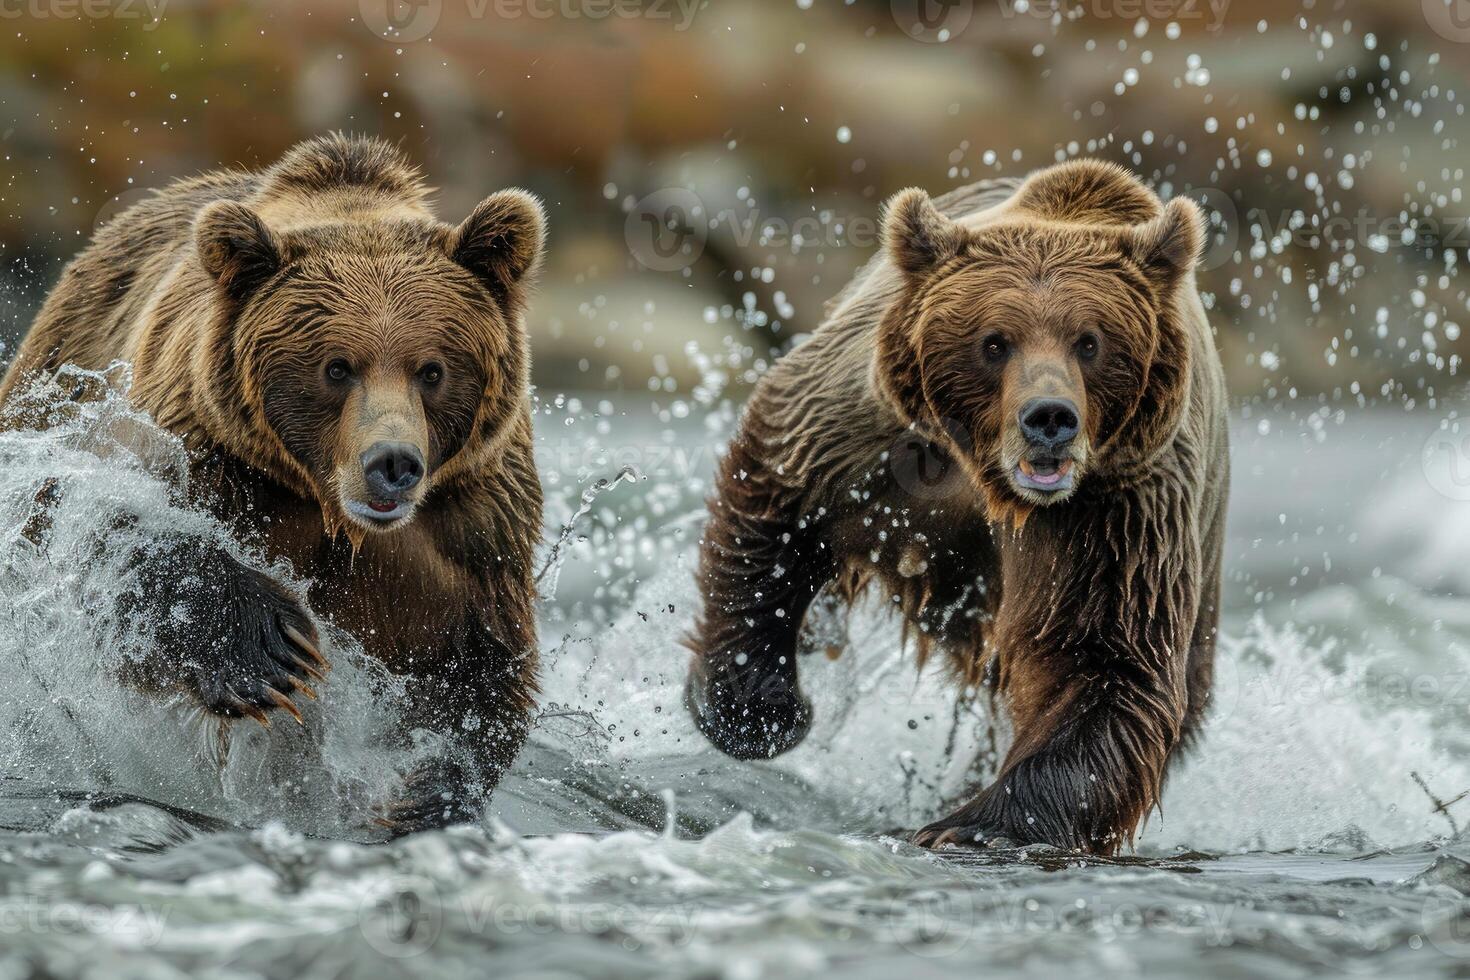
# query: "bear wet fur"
[1012,426]
[287,324]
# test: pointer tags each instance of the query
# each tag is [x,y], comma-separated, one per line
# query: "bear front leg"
[1084,768]
[480,701]
[760,567]
[442,792]
[231,637]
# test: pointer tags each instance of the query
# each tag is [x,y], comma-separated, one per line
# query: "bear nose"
[392,468]
[1049,422]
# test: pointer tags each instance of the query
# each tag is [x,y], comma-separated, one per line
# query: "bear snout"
[391,472]
[1049,450]
[1049,423]
[392,469]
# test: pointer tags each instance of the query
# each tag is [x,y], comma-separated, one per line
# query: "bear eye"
[994,347]
[431,373]
[1087,346]
[338,370]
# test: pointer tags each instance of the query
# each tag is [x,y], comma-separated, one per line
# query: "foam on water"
[1307,747]
[66,722]
[696,864]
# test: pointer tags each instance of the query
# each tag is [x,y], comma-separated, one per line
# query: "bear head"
[1045,347]
[367,360]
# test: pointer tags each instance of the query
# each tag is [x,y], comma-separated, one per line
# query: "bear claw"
[302,687]
[248,710]
[934,837]
[296,637]
[308,669]
[230,636]
[285,704]
[437,795]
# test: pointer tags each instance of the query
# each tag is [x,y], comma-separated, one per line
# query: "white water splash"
[1307,746]
[67,723]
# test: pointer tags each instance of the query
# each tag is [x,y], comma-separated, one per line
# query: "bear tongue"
[1047,470]
[382,507]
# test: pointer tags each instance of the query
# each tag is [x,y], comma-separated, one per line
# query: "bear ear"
[1169,245]
[917,236]
[501,241]
[236,248]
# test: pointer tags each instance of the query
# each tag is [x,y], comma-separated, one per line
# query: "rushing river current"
[1315,828]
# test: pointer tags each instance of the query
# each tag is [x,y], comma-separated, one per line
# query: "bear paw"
[758,719]
[227,634]
[439,794]
[942,833]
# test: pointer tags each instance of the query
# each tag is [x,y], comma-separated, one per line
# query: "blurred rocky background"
[714,170]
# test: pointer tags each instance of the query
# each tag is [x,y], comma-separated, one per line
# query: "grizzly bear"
[350,376]
[1013,424]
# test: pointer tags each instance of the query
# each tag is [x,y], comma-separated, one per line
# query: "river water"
[1306,833]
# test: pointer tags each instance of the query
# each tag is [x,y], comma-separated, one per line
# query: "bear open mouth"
[1046,474]
[379,511]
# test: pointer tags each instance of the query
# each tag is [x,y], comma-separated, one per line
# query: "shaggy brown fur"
[289,324]
[1075,567]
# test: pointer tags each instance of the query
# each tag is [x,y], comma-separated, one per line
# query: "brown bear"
[351,377]
[1013,424]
